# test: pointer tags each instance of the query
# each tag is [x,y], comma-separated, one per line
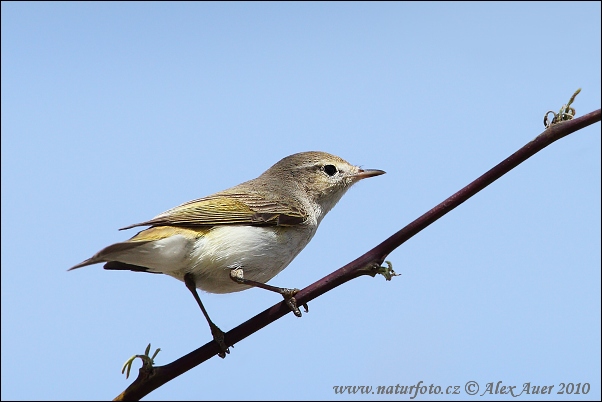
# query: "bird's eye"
[330,170]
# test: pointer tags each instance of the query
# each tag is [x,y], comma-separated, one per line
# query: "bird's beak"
[365,173]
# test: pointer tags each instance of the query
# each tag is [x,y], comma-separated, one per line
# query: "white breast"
[262,252]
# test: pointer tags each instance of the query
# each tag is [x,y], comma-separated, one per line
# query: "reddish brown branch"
[151,378]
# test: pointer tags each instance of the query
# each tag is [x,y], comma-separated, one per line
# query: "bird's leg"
[237,276]
[218,334]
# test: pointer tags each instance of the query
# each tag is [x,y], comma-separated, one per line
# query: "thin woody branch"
[150,378]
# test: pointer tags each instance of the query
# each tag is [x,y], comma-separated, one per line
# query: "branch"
[150,378]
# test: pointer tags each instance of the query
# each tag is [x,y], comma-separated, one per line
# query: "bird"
[240,237]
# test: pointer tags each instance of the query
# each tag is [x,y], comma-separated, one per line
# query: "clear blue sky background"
[115,112]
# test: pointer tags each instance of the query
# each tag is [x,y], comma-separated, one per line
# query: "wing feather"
[228,209]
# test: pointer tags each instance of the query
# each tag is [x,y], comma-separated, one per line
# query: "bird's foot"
[237,275]
[291,302]
[220,338]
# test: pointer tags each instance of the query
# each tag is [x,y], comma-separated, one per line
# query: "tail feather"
[89,261]
[158,248]
[122,266]
[104,255]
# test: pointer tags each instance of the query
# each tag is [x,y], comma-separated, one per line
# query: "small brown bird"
[240,237]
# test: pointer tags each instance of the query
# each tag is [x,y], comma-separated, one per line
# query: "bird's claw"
[291,302]
[220,338]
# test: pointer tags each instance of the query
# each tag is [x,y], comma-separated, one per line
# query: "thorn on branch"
[565,113]
[387,271]
[147,361]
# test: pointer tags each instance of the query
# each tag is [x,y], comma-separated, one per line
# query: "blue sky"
[115,112]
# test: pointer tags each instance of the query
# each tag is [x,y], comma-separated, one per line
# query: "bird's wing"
[229,209]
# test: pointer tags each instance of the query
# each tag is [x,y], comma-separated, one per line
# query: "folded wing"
[230,209]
